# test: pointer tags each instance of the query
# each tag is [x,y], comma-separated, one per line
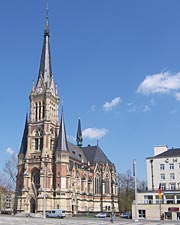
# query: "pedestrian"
[112,218]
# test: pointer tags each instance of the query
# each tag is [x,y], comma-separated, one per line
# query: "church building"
[52,172]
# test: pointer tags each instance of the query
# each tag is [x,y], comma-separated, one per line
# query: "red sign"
[173,209]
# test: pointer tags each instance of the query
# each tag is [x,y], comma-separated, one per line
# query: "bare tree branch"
[10,170]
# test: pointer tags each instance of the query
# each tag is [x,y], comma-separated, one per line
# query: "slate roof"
[76,152]
[170,153]
[95,154]
[174,152]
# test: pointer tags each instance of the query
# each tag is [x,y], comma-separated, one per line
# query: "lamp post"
[44,194]
[135,186]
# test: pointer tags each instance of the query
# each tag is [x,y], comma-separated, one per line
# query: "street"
[13,220]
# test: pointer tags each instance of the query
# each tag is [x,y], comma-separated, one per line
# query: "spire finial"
[47,26]
[47,9]
[62,103]
[32,85]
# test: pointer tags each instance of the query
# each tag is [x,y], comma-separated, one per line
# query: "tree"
[126,191]
[141,185]
[126,187]
[10,170]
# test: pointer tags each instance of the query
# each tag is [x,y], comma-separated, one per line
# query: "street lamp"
[44,194]
[135,184]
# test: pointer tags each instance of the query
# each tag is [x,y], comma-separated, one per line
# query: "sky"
[116,64]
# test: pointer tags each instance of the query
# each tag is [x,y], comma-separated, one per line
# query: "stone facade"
[52,172]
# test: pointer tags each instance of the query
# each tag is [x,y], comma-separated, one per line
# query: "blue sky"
[116,64]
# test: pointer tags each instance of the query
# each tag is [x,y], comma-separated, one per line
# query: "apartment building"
[6,201]
[163,171]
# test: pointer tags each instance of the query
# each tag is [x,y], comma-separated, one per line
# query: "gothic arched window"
[83,184]
[39,139]
[36,111]
[107,184]
[36,179]
[97,185]
[78,182]
[89,188]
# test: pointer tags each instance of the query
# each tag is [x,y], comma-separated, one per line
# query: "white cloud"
[109,105]
[93,108]
[177,96]
[10,151]
[94,133]
[136,108]
[146,108]
[164,82]
[71,138]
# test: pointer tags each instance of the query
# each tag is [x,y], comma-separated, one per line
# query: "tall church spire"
[62,140]
[45,69]
[79,138]
[23,147]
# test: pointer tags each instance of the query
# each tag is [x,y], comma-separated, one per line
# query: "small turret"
[62,140]
[79,138]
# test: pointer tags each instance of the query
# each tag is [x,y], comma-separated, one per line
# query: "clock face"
[39,90]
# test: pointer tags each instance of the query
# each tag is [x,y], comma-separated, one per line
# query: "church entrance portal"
[32,205]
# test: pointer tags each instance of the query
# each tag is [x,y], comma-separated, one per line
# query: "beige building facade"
[52,172]
[6,201]
[163,170]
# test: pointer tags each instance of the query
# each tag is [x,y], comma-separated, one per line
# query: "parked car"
[56,213]
[100,215]
[108,214]
[126,215]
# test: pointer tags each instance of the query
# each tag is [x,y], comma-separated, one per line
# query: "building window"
[178,199]
[171,166]
[36,143]
[107,184]
[161,166]
[148,199]
[97,185]
[83,184]
[36,179]
[39,139]
[78,182]
[159,200]
[162,176]
[163,187]
[90,185]
[172,186]
[172,176]
[142,213]
[170,199]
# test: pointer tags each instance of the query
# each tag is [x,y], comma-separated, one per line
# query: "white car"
[56,213]
[100,215]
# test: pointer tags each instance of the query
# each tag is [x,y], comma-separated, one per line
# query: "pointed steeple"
[79,138]
[62,140]
[23,147]
[45,69]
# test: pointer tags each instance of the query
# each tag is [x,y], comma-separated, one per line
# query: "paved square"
[16,220]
